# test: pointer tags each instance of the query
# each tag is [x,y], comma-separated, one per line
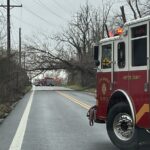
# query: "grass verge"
[6,107]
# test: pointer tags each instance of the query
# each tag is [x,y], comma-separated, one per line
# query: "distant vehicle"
[123,85]
[49,81]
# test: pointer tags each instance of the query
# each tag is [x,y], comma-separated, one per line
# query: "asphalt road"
[53,118]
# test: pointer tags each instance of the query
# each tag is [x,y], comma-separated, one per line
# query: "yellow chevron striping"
[144,109]
[82,104]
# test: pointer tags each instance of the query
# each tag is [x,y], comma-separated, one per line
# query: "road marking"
[18,138]
[82,104]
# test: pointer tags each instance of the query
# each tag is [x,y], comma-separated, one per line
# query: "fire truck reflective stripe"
[82,104]
[144,109]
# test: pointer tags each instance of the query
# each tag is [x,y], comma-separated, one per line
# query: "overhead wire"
[38,16]
[20,19]
[26,23]
[60,6]
[16,1]
[48,9]
[26,8]
[41,18]
[12,35]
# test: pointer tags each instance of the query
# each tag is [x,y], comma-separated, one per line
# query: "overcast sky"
[43,15]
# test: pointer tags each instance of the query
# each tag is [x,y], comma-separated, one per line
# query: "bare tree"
[73,50]
[123,14]
[139,8]
[132,8]
[145,7]
[105,12]
[2,33]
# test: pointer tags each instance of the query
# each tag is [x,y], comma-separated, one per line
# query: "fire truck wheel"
[120,127]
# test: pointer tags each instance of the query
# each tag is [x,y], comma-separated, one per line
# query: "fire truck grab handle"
[97,63]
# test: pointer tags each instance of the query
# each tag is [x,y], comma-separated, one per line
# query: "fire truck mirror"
[96,52]
[97,63]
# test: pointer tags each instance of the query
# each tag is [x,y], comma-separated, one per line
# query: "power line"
[33,13]
[15,1]
[41,18]
[13,39]
[60,6]
[48,9]
[27,23]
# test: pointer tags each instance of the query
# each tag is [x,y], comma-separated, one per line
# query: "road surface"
[53,118]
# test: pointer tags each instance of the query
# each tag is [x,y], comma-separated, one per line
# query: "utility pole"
[20,46]
[8,6]
[8,29]
[24,60]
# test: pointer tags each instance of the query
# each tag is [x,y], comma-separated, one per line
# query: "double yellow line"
[84,105]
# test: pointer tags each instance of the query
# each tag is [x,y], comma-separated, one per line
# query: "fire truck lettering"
[105,80]
[102,98]
[104,88]
[144,109]
[131,77]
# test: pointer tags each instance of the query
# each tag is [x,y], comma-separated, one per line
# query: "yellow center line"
[82,104]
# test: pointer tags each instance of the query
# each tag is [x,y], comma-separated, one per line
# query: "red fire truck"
[123,85]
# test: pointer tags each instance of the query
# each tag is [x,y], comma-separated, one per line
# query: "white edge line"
[18,138]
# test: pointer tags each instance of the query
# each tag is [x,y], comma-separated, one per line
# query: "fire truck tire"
[120,127]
